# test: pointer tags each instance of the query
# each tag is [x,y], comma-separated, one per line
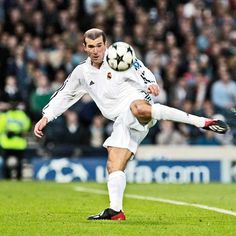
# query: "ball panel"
[128,58]
[112,63]
[112,53]
[122,50]
[123,66]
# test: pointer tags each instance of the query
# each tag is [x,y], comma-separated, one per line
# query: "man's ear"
[84,47]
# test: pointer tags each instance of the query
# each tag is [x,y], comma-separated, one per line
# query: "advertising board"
[137,171]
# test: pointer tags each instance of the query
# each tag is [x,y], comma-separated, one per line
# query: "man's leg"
[117,161]
[19,154]
[6,169]
[144,112]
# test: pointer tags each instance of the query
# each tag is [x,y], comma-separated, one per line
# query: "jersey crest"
[109,75]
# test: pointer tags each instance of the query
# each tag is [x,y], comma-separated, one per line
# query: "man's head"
[95,45]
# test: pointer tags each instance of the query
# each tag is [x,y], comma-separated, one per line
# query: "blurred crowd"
[190,46]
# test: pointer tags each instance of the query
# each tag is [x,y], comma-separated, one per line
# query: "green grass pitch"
[40,208]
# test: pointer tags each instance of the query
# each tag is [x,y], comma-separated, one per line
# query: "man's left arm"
[147,78]
[153,89]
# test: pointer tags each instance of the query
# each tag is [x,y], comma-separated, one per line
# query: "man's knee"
[117,159]
[141,110]
[111,167]
[115,165]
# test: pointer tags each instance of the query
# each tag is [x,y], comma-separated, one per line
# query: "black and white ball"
[120,56]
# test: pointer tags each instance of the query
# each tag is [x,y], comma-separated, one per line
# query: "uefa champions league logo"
[63,171]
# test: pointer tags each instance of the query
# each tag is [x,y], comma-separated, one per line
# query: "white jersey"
[112,91]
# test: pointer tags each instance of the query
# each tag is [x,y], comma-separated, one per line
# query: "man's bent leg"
[143,110]
[162,112]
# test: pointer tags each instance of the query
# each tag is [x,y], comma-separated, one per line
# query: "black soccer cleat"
[217,126]
[108,214]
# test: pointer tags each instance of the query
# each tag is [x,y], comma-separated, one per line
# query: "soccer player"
[123,97]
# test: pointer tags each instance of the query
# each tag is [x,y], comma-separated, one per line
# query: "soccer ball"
[120,56]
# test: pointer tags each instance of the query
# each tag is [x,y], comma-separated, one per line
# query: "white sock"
[162,112]
[116,186]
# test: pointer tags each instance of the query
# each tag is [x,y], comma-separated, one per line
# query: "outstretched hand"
[154,89]
[40,125]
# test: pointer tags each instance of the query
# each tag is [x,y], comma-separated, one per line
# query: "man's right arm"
[68,94]
[40,125]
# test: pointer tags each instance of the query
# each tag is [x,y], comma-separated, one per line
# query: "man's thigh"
[127,133]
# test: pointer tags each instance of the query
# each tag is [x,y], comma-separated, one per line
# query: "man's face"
[95,49]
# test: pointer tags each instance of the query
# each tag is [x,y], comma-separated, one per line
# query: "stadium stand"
[189,45]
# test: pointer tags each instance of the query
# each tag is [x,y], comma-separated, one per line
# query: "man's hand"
[154,89]
[41,124]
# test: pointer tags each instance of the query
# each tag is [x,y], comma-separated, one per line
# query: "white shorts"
[128,132]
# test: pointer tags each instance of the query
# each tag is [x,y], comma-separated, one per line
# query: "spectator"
[17,67]
[168,135]
[59,80]
[4,55]
[73,136]
[223,90]
[14,124]
[184,43]
[207,139]
[10,93]
[40,96]
[74,132]
[98,131]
